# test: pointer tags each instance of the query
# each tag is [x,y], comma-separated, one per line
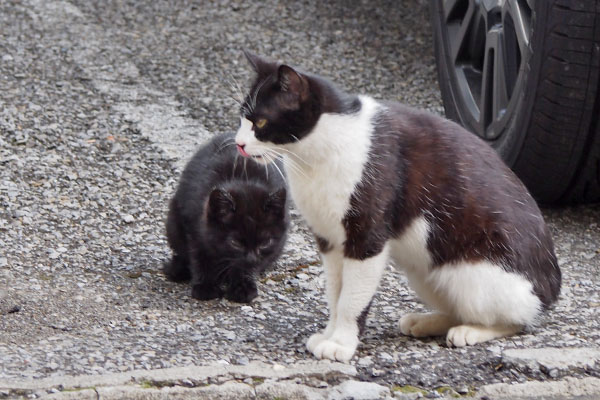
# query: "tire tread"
[563,139]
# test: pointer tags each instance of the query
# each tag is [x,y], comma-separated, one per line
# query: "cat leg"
[468,335]
[332,264]
[360,279]
[206,291]
[177,269]
[204,283]
[426,324]
[241,289]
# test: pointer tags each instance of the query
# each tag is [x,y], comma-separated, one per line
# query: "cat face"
[247,224]
[281,108]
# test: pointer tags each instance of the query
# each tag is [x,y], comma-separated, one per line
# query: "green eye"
[260,123]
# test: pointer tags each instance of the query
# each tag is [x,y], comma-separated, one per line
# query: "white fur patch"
[484,293]
[410,252]
[325,167]
[359,281]
[245,136]
[468,335]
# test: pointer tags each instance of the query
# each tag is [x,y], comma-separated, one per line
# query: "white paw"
[423,325]
[314,341]
[334,351]
[465,335]
[407,322]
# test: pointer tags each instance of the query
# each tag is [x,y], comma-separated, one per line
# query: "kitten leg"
[177,269]
[360,281]
[241,289]
[206,291]
[468,335]
[428,324]
[204,285]
[332,263]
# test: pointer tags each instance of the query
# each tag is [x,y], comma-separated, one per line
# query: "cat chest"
[323,201]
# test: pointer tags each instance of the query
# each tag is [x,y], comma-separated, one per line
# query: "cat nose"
[251,257]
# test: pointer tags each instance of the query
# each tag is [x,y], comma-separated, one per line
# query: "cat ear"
[292,81]
[260,64]
[221,203]
[276,200]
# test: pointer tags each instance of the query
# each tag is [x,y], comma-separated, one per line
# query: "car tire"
[524,76]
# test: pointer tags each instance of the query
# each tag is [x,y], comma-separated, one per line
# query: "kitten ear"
[276,200]
[221,203]
[292,81]
[260,64]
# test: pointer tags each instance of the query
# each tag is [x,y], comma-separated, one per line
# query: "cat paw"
[468,335]
[334,351]
[177,270]
[314,341]
[241,291]
[242,296]
[463,335]
[206,292]
[424,325]
[407,322]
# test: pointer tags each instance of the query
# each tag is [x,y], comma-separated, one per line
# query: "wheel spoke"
[450,8]
[487,92]
[520,14]
[461,37]
[501,96]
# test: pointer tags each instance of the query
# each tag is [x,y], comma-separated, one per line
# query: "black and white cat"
[227,222]
[378,181]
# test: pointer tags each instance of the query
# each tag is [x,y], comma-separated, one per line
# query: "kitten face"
[280,109]
[247,224]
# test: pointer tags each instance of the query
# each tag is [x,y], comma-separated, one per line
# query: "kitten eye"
[265,245]
[260,123]
[236,244]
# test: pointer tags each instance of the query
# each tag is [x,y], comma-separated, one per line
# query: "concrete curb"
[310,380]
[216,380]
[568,388]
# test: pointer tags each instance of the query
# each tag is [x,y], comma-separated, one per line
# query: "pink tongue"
[242,151]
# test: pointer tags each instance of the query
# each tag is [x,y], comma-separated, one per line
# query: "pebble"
[365,361]
[128,218]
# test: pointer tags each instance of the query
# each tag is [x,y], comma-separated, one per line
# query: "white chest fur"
[330,164]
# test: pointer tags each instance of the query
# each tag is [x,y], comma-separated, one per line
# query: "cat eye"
[260,123]
[266,245]
[236,244]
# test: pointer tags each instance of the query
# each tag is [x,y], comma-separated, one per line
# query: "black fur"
[227,222]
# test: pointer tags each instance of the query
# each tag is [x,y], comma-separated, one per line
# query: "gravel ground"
[101,103]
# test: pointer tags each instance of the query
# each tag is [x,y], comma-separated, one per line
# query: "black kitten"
[227,222]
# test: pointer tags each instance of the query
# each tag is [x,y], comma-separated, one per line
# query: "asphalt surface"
[101,103]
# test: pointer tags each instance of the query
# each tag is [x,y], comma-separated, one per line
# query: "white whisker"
[274,163]
[255,94]
[235,162]
[295,155]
